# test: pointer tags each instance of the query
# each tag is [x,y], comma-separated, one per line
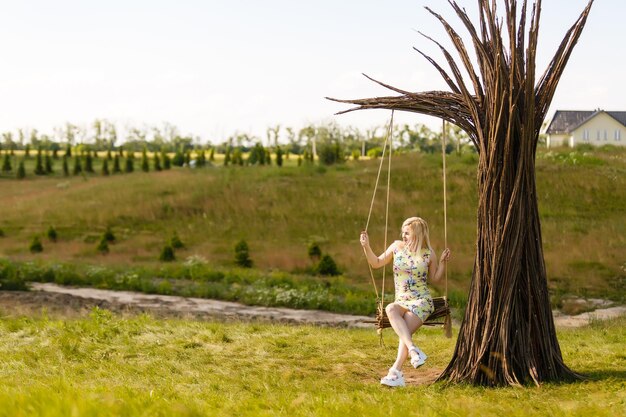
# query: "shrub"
[179,158]
[2,233]
[103,246]
[242,254]
[116,164]
[314,251]
[327,266]
[279,156]
[39,170]
[6,164]
[66,169]
[157,163]
[35,245]
[356,154]
[175,242]
[130,163]
[21,171]
[145,166]
[167,162]
[375,152]
[52,234]
[105,167]
[89,163]
[77,166]
[167,254]
[48,164]
[330,153]
[108,235]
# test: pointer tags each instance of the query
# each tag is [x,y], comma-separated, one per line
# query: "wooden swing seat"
[442,309]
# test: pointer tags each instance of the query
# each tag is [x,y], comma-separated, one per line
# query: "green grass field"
[108,365]
[279,211]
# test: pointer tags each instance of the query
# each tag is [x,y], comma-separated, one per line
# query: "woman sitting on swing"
[413,262]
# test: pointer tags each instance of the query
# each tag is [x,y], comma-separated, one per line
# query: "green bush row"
[195,278]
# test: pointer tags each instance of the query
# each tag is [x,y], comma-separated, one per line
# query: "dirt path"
[70,301]
[171,305]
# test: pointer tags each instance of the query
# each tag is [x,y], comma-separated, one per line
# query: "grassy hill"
[280,211]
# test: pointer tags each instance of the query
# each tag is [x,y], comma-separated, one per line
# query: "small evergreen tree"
[21,171]
[157,162]
[105,167]
[108,235]
[52,234]
[36,246]
[39,170]
[145,166]
[212,155]
[242,254]
[188,159]
[6,164]
[299,160]
[89,163]
[48,164]
[130,163]
[327,266]
[116,164]
[68,151]
[279,156]
[78,168]
[179,158]
[66,170]
[103,246]
[167,254]
[314,252]
[167,162]
[175,242]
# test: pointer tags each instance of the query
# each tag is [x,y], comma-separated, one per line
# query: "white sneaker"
[418,360]
[393,379]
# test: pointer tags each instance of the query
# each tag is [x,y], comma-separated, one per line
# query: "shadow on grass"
[603,374]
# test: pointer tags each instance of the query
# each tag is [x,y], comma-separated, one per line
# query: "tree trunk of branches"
[507,336]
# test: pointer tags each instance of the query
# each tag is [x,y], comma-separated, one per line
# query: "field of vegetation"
[109,365]
[281,211]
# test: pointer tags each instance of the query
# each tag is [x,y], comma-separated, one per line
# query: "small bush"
[103,246]
[175,242]
[52,234]
[108,235]
[167,254]
[242,254]
[2,233]
[36,246]
[327,266]
[314,251]
[21,171]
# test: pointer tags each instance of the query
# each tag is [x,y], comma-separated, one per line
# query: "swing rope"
[441,303]
[380,299]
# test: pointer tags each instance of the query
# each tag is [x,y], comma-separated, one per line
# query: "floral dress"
[409,275]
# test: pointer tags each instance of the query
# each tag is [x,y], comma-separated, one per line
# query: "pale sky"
[216,67]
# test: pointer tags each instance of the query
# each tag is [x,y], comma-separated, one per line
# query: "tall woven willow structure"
[507,336]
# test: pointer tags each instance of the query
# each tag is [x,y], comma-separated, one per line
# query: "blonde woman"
[414,261]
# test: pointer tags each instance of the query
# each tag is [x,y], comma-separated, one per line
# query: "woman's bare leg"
[407,323]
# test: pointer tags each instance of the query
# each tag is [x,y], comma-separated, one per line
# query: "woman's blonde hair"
[420,234]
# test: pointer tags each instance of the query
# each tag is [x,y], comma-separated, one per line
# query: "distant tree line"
[326,143]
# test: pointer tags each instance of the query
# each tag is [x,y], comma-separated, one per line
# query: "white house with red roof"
[595,127]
